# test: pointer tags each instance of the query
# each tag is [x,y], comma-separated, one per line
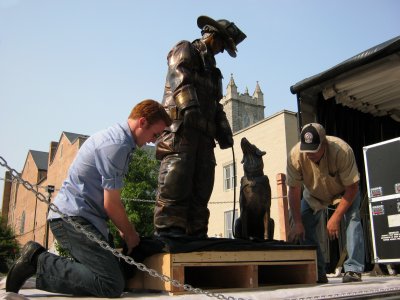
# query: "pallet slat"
[229,270]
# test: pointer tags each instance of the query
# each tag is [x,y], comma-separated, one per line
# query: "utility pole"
[50,190]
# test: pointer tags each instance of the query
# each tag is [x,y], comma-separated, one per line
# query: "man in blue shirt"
[91,195]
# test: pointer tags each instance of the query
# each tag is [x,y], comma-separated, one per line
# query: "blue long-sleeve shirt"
[101,163]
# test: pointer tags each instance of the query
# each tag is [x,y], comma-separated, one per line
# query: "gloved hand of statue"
[228,142]
[224,134]
[225,139]
[191,117]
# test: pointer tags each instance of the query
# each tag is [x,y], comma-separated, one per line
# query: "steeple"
[258,95]
[231,89]
[232,82]
[257,91]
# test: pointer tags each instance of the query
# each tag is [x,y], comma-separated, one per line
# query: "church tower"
[243,110]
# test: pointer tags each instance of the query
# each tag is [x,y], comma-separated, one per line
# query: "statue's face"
[217,44]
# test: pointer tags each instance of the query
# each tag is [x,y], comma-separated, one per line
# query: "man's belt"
[205,126]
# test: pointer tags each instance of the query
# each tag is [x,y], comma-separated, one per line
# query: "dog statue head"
[252,161]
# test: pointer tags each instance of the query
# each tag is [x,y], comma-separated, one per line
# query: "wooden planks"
[229,269]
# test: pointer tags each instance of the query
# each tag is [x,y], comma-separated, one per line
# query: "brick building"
[26,214]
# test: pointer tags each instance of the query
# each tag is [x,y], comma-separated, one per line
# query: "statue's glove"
[224,137]
[191,117]
[223,134]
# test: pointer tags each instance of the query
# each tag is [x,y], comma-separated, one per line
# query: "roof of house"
[40,158]
[72,137]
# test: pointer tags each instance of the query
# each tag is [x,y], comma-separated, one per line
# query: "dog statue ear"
[260,153]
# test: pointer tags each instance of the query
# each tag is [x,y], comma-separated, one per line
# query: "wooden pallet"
[213,270]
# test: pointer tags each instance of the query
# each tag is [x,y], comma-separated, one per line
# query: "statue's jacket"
[193,80]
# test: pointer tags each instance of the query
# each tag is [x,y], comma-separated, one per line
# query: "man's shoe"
[24,267]
[351,277]
[322,279]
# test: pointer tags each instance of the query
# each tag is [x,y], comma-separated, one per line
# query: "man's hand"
[333,227]
[297,233]
[116,212]
[131,240]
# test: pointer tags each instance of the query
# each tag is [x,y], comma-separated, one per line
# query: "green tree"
[9,247]
[140,184]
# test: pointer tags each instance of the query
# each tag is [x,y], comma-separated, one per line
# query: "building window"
[22,225]
[228,223]
[229,177]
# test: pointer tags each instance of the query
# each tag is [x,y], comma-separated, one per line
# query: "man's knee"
[112,289]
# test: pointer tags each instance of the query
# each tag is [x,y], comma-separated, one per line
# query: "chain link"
[105,245]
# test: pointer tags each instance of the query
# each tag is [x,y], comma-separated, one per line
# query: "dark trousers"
[185,183]
[354,236]
[92,271]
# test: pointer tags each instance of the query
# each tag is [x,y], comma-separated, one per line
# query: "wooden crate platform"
[212,270]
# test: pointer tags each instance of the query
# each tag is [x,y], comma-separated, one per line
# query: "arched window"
[22,224]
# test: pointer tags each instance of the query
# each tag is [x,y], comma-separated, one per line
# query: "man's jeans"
[93,271]
[354,236]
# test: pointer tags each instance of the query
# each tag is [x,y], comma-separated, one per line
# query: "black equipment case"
[382,171]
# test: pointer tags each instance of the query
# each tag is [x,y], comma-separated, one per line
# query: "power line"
[138,200]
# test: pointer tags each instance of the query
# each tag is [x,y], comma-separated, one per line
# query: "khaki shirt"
[324,183]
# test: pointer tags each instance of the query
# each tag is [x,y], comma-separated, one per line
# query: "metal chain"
[105,245]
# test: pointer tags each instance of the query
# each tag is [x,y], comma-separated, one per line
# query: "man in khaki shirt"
[325,167]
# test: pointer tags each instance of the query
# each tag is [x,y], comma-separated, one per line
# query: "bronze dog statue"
[255,221]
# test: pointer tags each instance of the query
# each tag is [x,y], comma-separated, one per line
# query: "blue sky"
[81,65]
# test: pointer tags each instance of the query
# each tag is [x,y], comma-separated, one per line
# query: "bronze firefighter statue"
[255,221]
[193,90]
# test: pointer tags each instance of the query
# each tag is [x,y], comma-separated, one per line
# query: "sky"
[81,65]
